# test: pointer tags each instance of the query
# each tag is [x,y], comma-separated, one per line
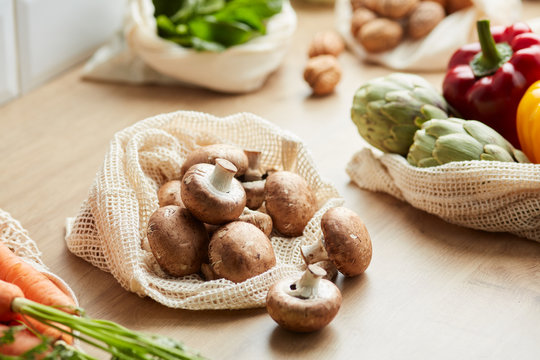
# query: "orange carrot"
[35,285]
[24,341]
[8,292]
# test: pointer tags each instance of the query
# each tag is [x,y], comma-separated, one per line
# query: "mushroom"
[289,201]
[239,251]
[259,219]
[209,153]
[346,242]
[208,273]
[169,194]
[178,240]
[212,193]
[253,182]
[305,305]
[330,268]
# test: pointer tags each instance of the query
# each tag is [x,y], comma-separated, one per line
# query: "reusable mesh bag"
[17,239]
[431,53]
[112,222]
[483,195]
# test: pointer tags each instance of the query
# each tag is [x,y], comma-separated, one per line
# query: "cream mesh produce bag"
[483,195]
[432,52]
[112,222]
[17,239]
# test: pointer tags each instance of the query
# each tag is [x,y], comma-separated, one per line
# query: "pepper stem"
[493,55]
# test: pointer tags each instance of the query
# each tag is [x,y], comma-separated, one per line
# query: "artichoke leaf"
[495,152]
[457,147]
[520,156]
[428,162]
[486,135]
[442,127]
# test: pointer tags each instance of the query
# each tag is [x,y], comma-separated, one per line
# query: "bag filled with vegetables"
[460,170]
[225,45]
[40,317]
[119,217]
[416,35]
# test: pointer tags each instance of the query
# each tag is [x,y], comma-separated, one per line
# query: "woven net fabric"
[17,240]
[484,195]
[110,228]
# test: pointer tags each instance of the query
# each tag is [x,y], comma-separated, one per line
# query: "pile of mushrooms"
[311,302]
[216,221]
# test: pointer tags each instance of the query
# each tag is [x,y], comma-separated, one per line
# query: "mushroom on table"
[304,305]
[346,242]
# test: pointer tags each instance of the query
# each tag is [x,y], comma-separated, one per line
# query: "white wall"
[9,86]
[52,35]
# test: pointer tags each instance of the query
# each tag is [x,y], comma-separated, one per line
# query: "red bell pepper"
[486,80]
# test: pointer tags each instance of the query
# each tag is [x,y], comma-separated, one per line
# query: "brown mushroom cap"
[212,194]
[254,193]
[178,240]
[289,201]
[239,251]
[346,240]
[209,153]
[259,219]
[169,194]
[298,313]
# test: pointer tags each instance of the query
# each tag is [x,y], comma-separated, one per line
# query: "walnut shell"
[393,9]
[322,73]
[424,18]
[455,5]
[360,17]
[380,35]
[326,43]
[441,2]
[357,4]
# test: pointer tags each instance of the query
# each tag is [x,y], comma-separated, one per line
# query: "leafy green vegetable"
[122,343]
[213,25]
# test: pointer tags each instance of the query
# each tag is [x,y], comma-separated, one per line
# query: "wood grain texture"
[433,290]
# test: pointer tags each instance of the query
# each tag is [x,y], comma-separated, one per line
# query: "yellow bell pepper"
[528,122]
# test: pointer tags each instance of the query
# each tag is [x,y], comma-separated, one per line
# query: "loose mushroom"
[212,193]
[261,220]
[239,251]
[289,201]
[178,240]
[305,305]
[209,153]
[169,194]
[253,182]
[346,242]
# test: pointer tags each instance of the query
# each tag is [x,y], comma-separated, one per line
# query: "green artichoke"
[388,110]
[441,141]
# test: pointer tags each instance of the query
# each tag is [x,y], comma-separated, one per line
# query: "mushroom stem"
[307,287]
[289,153]
[314,253]
[253,173]
[222,175]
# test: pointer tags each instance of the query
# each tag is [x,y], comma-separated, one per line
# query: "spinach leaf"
[213,25]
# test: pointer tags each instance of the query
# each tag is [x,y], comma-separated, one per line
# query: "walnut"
[326,43]
[456,5]
[442,2]
[380,35]
[356,4]
[360,17]
[424,18]
[322,73]
[394,9]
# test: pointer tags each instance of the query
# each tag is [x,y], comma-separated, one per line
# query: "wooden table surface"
[433,290]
